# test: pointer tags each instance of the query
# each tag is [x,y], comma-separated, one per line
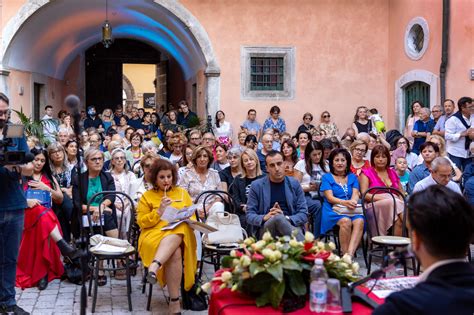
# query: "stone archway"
[193,47]
[412,76]
[129,90]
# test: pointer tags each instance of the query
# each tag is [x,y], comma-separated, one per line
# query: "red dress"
[39,255]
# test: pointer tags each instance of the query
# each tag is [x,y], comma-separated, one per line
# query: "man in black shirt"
[185,116]
[93,120]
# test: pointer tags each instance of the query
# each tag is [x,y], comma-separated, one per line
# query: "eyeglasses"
[54,152]
[208,139]
[326,116]
[117,158]
[96,159]
[4,112]
[359,150]
[195,139]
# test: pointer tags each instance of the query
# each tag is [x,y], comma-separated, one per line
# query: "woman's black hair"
[294,155]
[275,109]
[346,155]
[313,146]
[395,143]
[250,138]
[158,119]
[305,132]
[46,168]
[411,107]
[218,124]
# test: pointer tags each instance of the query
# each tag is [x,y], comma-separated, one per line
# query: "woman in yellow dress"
[164,252]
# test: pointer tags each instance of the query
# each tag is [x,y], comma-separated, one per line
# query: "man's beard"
[2,123]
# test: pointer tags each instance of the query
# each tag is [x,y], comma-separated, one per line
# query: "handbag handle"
[225,215]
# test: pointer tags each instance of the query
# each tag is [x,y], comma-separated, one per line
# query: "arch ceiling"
[56,33]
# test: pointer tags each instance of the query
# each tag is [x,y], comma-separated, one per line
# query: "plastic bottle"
[318,287]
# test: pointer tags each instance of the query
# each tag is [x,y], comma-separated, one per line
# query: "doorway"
[104,70]
[416,91]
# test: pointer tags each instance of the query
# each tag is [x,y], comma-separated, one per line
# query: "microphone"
[401,253]
[29,157]
[72,103]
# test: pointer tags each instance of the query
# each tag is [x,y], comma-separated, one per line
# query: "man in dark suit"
[441,224]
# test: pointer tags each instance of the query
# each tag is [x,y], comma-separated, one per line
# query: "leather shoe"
[67,250]
[43,283]
[15,309]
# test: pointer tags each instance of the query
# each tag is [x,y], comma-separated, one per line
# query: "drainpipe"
[444,49]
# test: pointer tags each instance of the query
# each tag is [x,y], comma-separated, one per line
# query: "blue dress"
[329,217]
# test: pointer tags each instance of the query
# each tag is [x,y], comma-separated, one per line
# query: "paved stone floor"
[64,298]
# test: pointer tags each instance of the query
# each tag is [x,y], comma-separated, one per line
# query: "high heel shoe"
[67,250]
[174,306]
[43,283]
[151,276]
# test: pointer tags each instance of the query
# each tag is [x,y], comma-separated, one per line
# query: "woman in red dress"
[39,259]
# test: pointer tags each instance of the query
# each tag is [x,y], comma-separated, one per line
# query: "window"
[267,73]
[416,38]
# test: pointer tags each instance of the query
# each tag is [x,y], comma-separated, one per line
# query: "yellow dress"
[151,233]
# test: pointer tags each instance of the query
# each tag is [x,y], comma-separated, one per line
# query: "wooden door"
[416,91]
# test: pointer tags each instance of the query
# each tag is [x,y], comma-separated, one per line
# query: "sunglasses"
[326,116]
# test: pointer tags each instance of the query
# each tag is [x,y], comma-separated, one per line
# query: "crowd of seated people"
[282,181]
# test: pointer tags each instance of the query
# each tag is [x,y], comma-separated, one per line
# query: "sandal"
[151,276]
[174,306]
[101,280]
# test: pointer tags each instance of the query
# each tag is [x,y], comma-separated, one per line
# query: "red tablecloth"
[226,302]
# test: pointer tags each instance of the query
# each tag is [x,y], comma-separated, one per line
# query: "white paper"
[172,214]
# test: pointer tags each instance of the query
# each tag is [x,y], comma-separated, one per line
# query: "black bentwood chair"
[380,245]
[128,256]
[212,253]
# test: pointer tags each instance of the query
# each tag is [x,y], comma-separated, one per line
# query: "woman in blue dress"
[340,187]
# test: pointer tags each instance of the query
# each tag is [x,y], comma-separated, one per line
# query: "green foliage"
[34,128]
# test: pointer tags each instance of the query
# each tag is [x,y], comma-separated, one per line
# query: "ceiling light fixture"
[107,39]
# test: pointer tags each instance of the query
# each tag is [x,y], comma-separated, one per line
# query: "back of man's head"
[443,220]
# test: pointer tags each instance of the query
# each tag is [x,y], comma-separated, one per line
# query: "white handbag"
[228,228]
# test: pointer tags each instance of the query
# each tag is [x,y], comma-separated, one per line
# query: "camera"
[10,132]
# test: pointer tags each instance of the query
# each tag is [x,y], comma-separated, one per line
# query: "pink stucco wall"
[341,53]
[348,53]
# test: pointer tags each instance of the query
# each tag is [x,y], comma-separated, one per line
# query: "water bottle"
[318,289]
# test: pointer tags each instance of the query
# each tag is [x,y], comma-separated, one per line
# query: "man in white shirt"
[441,173]
[50,126]
[459,133]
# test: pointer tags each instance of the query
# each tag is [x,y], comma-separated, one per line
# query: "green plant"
[33,127]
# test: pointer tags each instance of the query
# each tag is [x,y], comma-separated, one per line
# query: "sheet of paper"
[172,214]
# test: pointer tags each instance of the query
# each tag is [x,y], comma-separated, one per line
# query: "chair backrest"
[121,197]
[394,194]
[224,197]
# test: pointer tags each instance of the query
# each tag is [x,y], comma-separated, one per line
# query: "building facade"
[304,55]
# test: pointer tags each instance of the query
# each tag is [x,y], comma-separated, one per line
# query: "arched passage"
[44,37]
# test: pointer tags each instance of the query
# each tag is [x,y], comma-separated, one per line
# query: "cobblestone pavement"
[64,298]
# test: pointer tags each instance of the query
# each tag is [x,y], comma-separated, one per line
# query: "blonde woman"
[250,171]
[107,119]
